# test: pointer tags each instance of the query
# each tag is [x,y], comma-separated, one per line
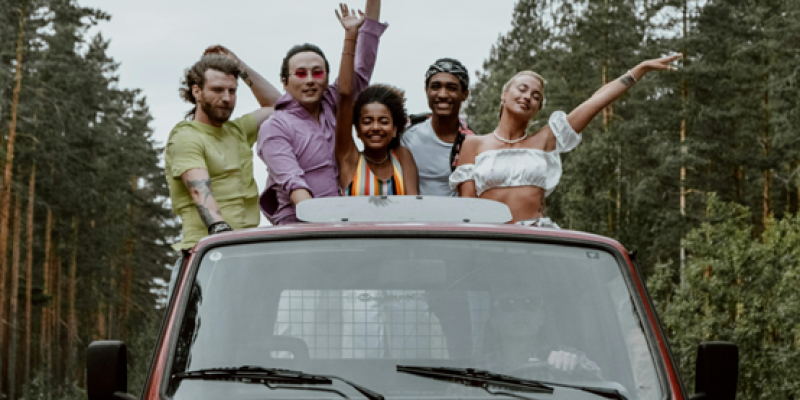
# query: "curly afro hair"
[393,99]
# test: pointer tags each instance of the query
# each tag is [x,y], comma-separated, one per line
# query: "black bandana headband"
[451,67]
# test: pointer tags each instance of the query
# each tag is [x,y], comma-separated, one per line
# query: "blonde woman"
[521,170]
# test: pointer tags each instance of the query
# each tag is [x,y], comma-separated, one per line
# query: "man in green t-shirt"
[209,158]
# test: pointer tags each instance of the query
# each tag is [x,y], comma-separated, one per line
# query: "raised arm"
[266,94]
[373,10]
[367,49]
[580,117]
[346,150]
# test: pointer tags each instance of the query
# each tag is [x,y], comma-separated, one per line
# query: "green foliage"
[739,289]
[39,386]
[97,172]
[735,98]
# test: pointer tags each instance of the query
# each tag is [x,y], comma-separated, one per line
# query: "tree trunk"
[43,327]
[29,274]
[684,149]
[6,194]
[127,268]
[111,315]
[12,352]
[55,352]
[767,201]
[612,213]
[72,325]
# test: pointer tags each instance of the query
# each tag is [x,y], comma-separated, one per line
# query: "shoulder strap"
[455,151]
[398,174]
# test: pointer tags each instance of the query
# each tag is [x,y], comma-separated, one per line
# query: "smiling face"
[375,126]
[445,95]
[523,97]
[307,80]
[217,98]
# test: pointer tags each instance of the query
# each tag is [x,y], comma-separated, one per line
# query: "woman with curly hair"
[521,170]
[379,116]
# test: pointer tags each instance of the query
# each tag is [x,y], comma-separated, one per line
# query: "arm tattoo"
[627,80]
[246,78]
[205,215]
[203,186]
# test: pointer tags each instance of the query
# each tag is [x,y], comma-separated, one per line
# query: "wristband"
[218,227]
[632,77]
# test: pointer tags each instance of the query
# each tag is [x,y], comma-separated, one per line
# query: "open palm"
[664,63]
[351,20]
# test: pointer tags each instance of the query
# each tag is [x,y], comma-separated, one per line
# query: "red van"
[411,298]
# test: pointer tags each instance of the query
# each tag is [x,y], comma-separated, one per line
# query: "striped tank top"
[366,184]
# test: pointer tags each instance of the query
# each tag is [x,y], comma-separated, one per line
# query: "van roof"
[349,228]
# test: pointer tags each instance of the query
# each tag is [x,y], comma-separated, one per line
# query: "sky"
[156,40]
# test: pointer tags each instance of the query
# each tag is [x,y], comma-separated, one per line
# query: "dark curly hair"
[196,75]
[301,48]
[395,101]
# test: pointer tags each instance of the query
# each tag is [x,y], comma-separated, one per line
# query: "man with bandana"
[436,142]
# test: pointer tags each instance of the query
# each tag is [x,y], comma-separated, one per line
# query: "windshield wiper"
[266,376]
[478,378]
[485,379]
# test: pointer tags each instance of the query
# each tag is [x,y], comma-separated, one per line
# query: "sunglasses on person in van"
[509,304]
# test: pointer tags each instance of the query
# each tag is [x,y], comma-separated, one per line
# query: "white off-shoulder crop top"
[520,167]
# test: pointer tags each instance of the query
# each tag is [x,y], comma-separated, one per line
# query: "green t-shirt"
[227,154]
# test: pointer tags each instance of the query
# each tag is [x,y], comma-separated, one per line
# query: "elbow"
[345,94]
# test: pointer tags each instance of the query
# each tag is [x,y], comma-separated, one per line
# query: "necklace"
[509,141]
[377,162]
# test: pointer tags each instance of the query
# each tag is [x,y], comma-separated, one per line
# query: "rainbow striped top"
[366,184]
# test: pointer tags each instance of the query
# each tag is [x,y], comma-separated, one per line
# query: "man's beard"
[215,114]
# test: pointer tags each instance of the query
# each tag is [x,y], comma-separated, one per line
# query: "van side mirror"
[717,371]
[107,371]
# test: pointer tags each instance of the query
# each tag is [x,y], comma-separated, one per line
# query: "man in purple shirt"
[297,143]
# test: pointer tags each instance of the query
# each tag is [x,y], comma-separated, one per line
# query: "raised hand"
[350,20]
[657,64]
[222,50]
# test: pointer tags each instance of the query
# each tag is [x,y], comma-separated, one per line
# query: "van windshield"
[358,308]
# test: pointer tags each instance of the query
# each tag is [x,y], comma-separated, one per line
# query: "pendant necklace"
[377,162]
[509,141]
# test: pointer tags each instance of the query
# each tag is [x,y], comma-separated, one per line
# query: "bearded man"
[209,157]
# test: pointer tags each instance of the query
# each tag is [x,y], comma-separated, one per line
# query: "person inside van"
[519,342]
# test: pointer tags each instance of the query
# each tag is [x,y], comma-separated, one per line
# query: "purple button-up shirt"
[298,151]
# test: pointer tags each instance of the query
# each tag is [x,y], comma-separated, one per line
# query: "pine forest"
[85,233]
[697,170]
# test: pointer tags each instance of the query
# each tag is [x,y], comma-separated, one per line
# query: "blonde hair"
[531,74]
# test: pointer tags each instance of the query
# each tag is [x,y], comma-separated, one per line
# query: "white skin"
[216,101]
[520,103]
